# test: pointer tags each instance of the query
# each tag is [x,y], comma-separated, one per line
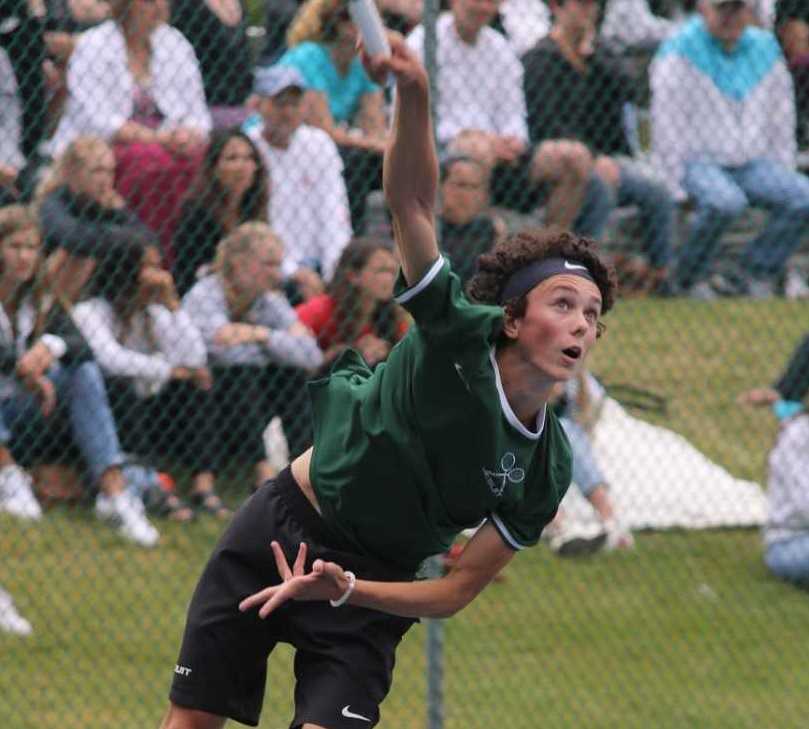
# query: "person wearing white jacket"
[135,82]
[104,82]
[260,353]
[154,360]
[723,135]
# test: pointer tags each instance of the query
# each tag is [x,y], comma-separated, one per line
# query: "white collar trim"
[506,406]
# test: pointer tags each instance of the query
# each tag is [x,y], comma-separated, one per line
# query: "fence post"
[435,628]
[435,660]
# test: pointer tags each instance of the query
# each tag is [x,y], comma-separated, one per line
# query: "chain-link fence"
[192,227]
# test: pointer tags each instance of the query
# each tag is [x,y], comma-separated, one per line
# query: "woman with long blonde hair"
[260,354]
[78,205]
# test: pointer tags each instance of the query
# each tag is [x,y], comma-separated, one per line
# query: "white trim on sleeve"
[505,534]
[426,280]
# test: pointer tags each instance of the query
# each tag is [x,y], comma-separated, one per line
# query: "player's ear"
[511,323]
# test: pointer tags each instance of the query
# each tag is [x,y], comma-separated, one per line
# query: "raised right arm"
[410,171]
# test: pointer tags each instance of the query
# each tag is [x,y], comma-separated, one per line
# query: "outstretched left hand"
[326,581]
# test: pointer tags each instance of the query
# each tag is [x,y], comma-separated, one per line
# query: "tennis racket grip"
[366,17]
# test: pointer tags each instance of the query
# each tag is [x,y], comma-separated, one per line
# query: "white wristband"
[352,583]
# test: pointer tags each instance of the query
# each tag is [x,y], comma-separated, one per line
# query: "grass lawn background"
[688,630]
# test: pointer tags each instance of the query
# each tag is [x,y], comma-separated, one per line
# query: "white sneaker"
[10,620]
[126,513]
[702,291]
[618,536]
[17,494]
[795,285]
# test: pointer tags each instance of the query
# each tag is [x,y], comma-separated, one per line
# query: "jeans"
[81,391]
[587,474]
[656,209]
[789,559]
[596,208]
[722,194]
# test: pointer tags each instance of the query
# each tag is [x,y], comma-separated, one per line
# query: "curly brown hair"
[520,249]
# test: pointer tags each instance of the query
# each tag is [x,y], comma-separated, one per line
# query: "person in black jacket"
[46,367]
[78,205]
[574,90]
[22,35]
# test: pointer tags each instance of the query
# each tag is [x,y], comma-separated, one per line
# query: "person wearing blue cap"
[308,206]
[452,431]
[341,98]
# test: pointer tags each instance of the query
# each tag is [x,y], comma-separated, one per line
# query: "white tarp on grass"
[658,480]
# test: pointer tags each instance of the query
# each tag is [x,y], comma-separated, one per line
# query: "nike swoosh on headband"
[348,714]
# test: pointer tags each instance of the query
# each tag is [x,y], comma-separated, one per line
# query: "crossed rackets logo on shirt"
[508,473]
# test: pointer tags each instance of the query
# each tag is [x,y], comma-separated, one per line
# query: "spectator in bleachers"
[48,371]
[231,188]
[466,227]
[723,134]
[64,21]
[481,113]
[154,361]
[10,619]
[358,309]
[574,90]
[11,156]
[259,352]
[216,30]
[792,30]
[786,533]
[340,98]
[22,37]
[78,205]
[577,406]
[135,82]
[308,202]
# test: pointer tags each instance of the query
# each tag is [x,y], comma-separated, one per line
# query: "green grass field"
[688,630]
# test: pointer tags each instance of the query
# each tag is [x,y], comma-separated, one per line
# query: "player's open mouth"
[572,352]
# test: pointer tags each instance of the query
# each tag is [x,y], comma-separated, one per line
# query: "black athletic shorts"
[344,656]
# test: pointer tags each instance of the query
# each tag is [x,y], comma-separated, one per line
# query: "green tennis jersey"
[426,445]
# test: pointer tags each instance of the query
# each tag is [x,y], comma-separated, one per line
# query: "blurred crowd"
[191,225]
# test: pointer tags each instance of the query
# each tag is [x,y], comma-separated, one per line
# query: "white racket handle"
[366,17]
